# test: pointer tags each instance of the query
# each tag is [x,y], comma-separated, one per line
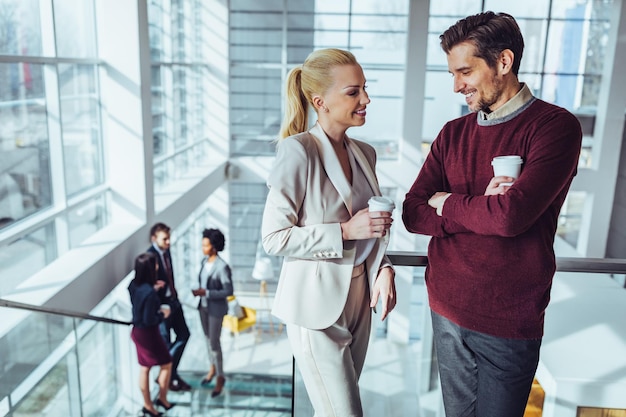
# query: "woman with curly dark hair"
[215,285]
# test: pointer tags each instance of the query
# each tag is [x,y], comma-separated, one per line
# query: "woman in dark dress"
[151,349]
[214,286]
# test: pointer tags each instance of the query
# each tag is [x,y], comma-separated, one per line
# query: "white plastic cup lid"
[507,159]
[380,203]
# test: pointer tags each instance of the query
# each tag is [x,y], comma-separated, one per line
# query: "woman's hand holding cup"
[366,224]
[377,206]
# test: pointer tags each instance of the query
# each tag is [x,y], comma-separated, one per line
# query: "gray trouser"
[483,375]
[212,327]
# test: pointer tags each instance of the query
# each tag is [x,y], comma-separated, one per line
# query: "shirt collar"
[523,96]
[158,249]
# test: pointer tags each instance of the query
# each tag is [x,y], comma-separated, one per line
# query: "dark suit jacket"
[162,276]
[219,285]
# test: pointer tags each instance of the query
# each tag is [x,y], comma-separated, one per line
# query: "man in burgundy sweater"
[491,259]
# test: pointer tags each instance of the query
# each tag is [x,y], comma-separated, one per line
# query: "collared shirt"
[523,96]
[168,291]
[203,277]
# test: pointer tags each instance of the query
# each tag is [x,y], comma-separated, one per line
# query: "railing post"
[73,374]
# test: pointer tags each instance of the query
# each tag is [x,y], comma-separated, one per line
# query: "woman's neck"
[338,141]
[336,135]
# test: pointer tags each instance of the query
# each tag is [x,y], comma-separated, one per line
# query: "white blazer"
[309,196]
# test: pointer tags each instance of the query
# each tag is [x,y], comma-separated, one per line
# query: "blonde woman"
[316,217]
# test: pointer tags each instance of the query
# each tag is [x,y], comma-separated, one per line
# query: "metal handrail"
[59,312]
[397,258]
[563,264]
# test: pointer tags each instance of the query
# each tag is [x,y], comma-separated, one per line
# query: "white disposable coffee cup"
[379,203]
[508,166]
[165,307]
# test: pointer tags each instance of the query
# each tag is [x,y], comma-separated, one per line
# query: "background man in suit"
[160,236]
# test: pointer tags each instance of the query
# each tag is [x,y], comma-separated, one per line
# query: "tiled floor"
[244,395]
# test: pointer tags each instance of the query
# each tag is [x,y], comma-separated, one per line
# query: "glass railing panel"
[49,397]
[98,367]
[579,284]
[55,365]
[29,343]
[44,371]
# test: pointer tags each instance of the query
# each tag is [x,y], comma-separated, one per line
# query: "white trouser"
[331,360]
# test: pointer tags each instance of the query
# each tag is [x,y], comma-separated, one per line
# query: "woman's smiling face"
[346,99]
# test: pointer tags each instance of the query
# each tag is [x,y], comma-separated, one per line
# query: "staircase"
[243,395]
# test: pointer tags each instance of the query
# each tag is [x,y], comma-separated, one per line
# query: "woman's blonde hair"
[303,82]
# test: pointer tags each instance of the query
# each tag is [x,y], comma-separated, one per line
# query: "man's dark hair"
[216,237]
[159,227]
[491,33]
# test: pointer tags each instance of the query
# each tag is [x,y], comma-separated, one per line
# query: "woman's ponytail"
[296,106]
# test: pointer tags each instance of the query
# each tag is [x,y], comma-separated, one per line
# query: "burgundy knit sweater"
[491,258]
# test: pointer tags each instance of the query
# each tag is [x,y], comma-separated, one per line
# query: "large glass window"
[51,145]
[86,219]
[25,98]
[75,28]
[25,185]
[183,84]
[565,46]
[25,256]
[21,27]
[24,148]
[565,49]
[80,118]
[247,201]
[266,42]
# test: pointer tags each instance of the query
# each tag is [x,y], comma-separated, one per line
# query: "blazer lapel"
[332,166]
[360,158]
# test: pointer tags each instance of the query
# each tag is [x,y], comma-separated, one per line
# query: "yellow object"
[236,325]
[600,412]
[534,408]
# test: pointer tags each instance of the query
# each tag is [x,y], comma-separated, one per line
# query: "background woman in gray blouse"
[215,285]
